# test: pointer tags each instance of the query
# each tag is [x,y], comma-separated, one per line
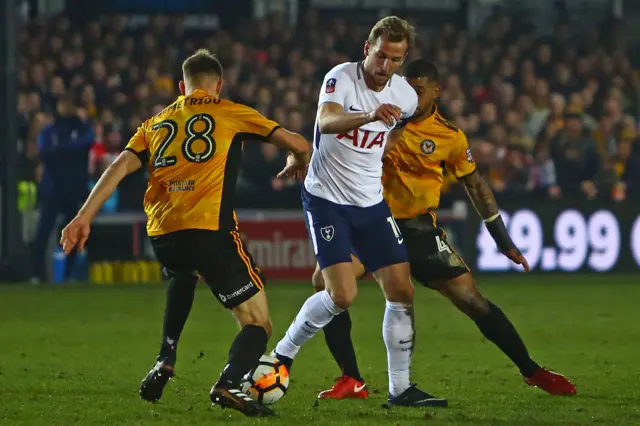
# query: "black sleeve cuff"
[272,132]
[143,156]
[468,174]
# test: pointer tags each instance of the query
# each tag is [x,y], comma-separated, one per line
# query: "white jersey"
[346,169]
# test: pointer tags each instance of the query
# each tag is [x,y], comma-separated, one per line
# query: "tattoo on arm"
[481,195]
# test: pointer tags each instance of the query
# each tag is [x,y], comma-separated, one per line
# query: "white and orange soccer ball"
[268,382]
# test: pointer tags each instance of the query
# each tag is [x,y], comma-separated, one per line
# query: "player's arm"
[261,128]
[481,195]
[295,143]
[299,152]
[396,134]
[484,201]
[76,233]
[332,118]
[254,126]
[126,163]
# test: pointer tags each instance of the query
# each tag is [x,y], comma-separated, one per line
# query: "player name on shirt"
[194,149]
[346,168]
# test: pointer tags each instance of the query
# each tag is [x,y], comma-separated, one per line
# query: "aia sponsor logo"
[364,138]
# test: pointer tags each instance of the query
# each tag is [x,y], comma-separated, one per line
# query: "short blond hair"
[202,62]
[394,29]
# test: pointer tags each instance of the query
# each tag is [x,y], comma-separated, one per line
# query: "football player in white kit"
[361,107]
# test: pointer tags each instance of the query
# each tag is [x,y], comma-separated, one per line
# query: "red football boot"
[551,382]
[346,387]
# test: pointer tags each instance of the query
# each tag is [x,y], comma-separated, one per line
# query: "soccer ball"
[267,382]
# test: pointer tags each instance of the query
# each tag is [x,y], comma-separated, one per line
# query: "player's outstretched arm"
[481,195]
[294,142]
[332,119]
[126,163]
[485,203]
[76,232]
[299,156]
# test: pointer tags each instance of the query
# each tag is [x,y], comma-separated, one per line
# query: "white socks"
[398,333]
[316,312]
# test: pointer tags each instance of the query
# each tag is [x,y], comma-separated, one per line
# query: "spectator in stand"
[542,179]
[575,156]
[504,87]
[64,149]
[626,165]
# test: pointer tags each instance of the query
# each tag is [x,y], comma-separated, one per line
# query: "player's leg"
[180,294]
[235,280]
[318,310]
[436,264]
[247,348]
[338,337]
[380,245]
[497,328]
[331,237]
[171,250]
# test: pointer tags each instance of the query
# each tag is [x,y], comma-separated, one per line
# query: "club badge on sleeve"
[330,87]
[469,156]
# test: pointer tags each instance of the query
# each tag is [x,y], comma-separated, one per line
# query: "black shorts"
[218,256]
[430,256]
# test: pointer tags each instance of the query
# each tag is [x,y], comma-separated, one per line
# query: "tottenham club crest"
[327,233]
[428,146]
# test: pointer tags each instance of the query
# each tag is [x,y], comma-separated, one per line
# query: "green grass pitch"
[75,355]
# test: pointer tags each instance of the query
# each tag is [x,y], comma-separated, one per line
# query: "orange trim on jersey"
[433,218]
[236,228]
[459,257]
[247,261]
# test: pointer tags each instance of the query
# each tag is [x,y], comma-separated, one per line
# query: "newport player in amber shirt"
[192,150]
[412,180]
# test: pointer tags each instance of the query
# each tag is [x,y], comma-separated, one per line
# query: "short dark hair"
[422,68]
[202,62]
[394,28]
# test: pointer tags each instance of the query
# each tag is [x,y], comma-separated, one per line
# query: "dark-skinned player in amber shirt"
[412,179]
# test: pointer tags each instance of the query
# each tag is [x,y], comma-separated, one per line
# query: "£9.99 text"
[575,240]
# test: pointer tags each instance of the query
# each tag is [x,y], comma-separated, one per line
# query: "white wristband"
[492,218]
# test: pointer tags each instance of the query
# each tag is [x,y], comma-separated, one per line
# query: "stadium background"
[520,78]
[74,354]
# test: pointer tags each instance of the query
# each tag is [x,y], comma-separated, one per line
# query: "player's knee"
[317,280]
[467,297]
[395,281]
[476,304]
[402,292]
[254,312]
[343,297]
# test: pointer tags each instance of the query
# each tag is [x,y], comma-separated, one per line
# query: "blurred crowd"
[546,116]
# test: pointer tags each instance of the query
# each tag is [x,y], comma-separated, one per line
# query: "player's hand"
[295,168]
[387,113]
[517,258]
[75,234]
